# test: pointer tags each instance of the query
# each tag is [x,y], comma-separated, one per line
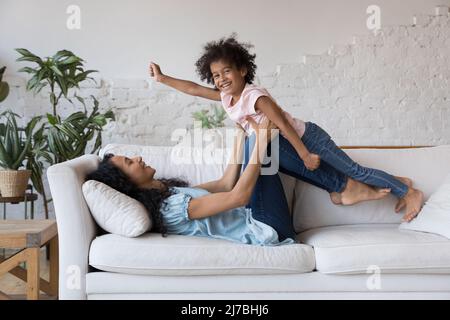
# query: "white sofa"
[354,252]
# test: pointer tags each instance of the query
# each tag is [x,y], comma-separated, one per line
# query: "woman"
[248,208]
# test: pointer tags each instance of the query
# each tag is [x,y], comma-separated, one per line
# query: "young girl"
[230,67]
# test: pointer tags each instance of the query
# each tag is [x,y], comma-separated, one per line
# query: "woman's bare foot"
[356,192]
[414,202]
[401,202]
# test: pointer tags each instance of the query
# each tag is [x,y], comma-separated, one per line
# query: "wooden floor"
[15,287]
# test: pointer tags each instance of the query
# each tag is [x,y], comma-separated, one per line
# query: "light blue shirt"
[236,225]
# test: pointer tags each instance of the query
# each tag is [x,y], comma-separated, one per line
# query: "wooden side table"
[30,236]
[28,197]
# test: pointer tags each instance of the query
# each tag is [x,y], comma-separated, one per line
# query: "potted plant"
[4,87]
[61,139]
[63,72]
[15,147]
[211,124]
[209,121]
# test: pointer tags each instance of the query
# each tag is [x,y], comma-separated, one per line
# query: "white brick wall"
[387,88]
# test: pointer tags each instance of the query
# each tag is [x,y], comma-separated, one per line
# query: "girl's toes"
[400,205]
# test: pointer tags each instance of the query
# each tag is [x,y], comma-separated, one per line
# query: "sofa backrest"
[191,164]
[427,167]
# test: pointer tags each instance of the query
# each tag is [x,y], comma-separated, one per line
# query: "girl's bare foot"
[356,192]
[336,198]
[401,202]
[414,202]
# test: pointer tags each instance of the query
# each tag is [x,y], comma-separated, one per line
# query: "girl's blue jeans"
[268,201]
[319,142]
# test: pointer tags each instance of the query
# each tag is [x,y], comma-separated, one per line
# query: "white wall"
[119,37]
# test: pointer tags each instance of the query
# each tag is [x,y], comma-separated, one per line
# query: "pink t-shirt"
[246,106]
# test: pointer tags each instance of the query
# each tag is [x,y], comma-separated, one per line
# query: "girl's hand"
[311,161]
[155,71]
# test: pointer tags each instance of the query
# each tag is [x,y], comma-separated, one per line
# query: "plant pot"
[13,183]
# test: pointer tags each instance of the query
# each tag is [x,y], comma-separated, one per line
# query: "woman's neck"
[154,184]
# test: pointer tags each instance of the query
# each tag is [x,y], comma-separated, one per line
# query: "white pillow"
[435,214]
[114,211]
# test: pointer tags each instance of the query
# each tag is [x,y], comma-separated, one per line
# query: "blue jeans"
[325,177]
[268,202]
[319,142]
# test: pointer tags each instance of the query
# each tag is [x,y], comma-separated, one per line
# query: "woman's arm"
[215,203]
[272,111]
[185,86]
[233,169]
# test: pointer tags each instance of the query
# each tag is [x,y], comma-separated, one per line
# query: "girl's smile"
[228,78]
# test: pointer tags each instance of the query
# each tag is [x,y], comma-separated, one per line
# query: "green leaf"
[52,119]
[28,56]
[62,84]
[39,87]
[110,115]
[27,70]
[99,120]
[70,60]
[56,70]
[25,52]
[52,98]
[32,82]
[66,129]
[98,142]
[76,116]
[5,159]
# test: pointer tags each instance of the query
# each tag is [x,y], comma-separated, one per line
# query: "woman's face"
[135,169]
[227,77]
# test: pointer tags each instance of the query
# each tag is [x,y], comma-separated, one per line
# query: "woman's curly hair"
[152,199]
[229,50]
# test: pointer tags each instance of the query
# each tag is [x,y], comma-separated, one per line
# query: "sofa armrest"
[76,227]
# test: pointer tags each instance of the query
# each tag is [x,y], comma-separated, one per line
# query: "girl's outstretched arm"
[216,203]
[185,86]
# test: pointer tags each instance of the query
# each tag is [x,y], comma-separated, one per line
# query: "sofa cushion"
[435,215]
[355,248]
[151,254]
[116,212]
[427,167]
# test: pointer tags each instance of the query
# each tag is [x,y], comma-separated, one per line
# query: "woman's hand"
[263,129]
[311,161]
[155,71]
[264,134]
[239,127]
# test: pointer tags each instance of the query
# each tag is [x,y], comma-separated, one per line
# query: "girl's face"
[227,77]
[135,169]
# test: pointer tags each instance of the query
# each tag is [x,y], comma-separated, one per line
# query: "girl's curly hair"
[152,199]
[229,50]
